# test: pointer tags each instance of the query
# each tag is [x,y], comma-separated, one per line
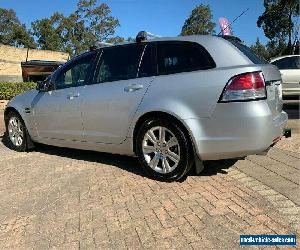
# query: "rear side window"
[119,63]
[292,62]
[176,57]
[248,52]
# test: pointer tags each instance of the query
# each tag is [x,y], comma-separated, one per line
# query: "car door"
[57,112]
[290,70]
[291,74]
[121,79]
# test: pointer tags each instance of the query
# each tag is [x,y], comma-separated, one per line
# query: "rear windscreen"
[249,53]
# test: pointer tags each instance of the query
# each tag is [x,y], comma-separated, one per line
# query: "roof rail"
[98,45]
[231,38]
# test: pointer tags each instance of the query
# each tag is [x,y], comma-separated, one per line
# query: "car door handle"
[71,97]
[133,87]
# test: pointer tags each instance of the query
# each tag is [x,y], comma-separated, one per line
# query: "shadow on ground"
[291,107]
[127,163]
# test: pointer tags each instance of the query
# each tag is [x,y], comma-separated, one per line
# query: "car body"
[182,85]
[289,67]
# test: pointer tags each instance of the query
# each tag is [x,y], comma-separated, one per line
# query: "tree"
[199,22]
[276,48]
[47,32]
[260,50]
[77,32]
[115,40]
[97,19]
[12,32]
[130,39]
[277,21]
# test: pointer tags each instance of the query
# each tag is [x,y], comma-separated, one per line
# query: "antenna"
[243,12]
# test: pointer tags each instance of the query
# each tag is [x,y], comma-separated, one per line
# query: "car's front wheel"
[163,150]
[16,132]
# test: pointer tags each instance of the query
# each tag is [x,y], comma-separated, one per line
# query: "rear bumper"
[236,130]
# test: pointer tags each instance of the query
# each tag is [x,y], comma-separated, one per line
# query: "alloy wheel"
[15,131]
[161,149]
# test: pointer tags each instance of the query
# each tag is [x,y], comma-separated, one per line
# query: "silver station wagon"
[173,102]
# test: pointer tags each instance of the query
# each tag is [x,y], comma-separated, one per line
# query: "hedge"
[10,89]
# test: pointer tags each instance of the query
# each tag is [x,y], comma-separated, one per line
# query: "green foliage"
[78,31]
[199,22]
[48,33]
[12,32]
[278,21]
[260,50]
[115,40]
[130,39]
[10,89]
[277,48]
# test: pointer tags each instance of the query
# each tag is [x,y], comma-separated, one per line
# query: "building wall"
[11,58]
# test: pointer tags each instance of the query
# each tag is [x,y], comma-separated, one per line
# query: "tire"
[164,150]
[16,132]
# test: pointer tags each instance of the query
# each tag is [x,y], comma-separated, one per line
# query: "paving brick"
[267,192]
[283,203]
[261,160]
[295,164]
[281,157]
[290,210]
[189,233]
[282,169]
[237,209]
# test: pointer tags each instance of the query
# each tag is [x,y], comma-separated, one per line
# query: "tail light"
[248,86]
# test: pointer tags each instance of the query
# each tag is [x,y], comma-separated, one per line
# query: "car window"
[119,63]
[248,52]
[75,73]
[288,63]
[176,57]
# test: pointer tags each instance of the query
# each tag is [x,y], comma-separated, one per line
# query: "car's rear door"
[121,79]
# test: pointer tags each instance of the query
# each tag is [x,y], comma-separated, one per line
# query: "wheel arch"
[11,109]
[28,141]
[161,114]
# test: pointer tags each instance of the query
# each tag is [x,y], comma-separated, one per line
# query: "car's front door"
[57,112]
[121,79]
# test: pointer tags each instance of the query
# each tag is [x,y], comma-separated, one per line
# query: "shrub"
[10,89]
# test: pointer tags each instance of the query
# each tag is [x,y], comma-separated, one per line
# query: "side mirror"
[44,86]
[41,86]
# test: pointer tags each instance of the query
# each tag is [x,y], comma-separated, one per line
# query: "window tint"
[119,63]
[175,57]
[288,63]
[248,52]
[75,73]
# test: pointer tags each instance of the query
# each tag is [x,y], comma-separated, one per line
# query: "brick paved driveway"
[71,199]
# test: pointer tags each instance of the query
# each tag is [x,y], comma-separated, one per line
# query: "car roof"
[280,57]
[192,38]
[218,47]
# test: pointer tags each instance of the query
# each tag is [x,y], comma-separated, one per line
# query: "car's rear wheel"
[163,150]
[16,131]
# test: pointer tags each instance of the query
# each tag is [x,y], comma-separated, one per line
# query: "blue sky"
[163,17]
